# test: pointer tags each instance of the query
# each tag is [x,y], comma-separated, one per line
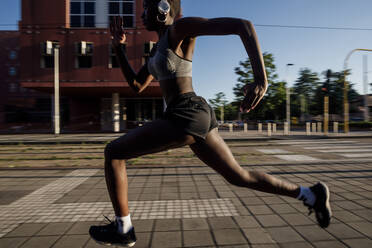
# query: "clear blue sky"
[319,50]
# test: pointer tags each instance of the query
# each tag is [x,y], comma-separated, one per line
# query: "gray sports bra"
[166,64]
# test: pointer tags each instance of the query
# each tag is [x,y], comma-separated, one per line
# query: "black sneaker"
[108,235]
[321,206]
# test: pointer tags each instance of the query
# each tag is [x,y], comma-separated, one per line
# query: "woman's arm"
[194,26]
[138,82]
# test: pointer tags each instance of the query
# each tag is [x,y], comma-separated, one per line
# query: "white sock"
[306,195]
[124,224]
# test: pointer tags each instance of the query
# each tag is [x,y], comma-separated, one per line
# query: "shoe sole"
[327,205]
[109,244]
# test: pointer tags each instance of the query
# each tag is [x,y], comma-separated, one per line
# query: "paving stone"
[260,209]
[265,246]
[249,201]
[358,243]
[329,244]
[314,233]
[143,239]
[271,220]
[364,213]
[166,239]
[258,236]
[36,242]
[12,242]
[197,238]
[343,231]
[283,208]
[71,241]
[363,227]
[297,219]
[284,234]
[296,245]
[82,227]
[167,225]
[246,221]
[92,244]
[222,223]
[229,237]
[143,225]
[195,224]
[54,229]
[26,230]
[346,216]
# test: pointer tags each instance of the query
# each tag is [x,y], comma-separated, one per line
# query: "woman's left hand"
[253,93]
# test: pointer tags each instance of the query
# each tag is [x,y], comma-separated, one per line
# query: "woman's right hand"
[117,31]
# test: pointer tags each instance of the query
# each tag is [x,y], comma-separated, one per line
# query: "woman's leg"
[216,154]
[153,137]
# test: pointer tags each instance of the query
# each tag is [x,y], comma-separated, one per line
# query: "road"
[51,194]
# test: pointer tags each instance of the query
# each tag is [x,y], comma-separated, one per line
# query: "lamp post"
[346,102]
[288,100]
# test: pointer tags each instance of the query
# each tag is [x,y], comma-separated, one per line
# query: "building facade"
[94,93]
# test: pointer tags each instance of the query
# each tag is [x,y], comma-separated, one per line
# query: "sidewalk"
[98,138]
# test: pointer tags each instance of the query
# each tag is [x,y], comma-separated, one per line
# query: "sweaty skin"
[161,135]
[182,37]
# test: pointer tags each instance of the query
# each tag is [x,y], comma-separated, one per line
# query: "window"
[82,13]
[12,71]
[84,55]
[124,8]
[113,62]
[12,55]
[47,54]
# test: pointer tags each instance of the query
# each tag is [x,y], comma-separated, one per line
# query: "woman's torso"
[172,65]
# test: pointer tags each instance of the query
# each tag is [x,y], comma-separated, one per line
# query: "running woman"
[188,119]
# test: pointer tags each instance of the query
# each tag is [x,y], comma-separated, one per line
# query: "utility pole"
[56,90]
[365,84]
[288,102]
[346,103]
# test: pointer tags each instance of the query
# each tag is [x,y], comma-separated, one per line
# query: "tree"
[333,86]
[303,92]
[275,95]
[218,103]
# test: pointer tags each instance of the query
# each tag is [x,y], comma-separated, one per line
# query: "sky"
[317,49]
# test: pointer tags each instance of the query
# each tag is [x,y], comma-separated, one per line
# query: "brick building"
[93,90]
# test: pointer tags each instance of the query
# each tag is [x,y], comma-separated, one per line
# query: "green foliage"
[270,105]
[219,102]
[333,86]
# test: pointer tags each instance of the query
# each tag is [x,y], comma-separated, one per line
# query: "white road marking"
[301,158]
[335,146]
[273,151]
[357,155]
[39,207]
[344,150]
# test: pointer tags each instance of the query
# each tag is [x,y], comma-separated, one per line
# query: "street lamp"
[288,100]
[346,102]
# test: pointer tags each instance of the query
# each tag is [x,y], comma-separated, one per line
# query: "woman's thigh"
[153,137]
[216,154]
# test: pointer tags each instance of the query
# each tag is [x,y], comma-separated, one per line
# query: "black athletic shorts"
[192,114]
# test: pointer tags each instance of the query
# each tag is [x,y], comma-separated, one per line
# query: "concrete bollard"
[319,127]
[230,127]
[268,129]
[274,127]
[313,127]
[308,131]
[286,132]
[260,127]
[335,127]
[245,127]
